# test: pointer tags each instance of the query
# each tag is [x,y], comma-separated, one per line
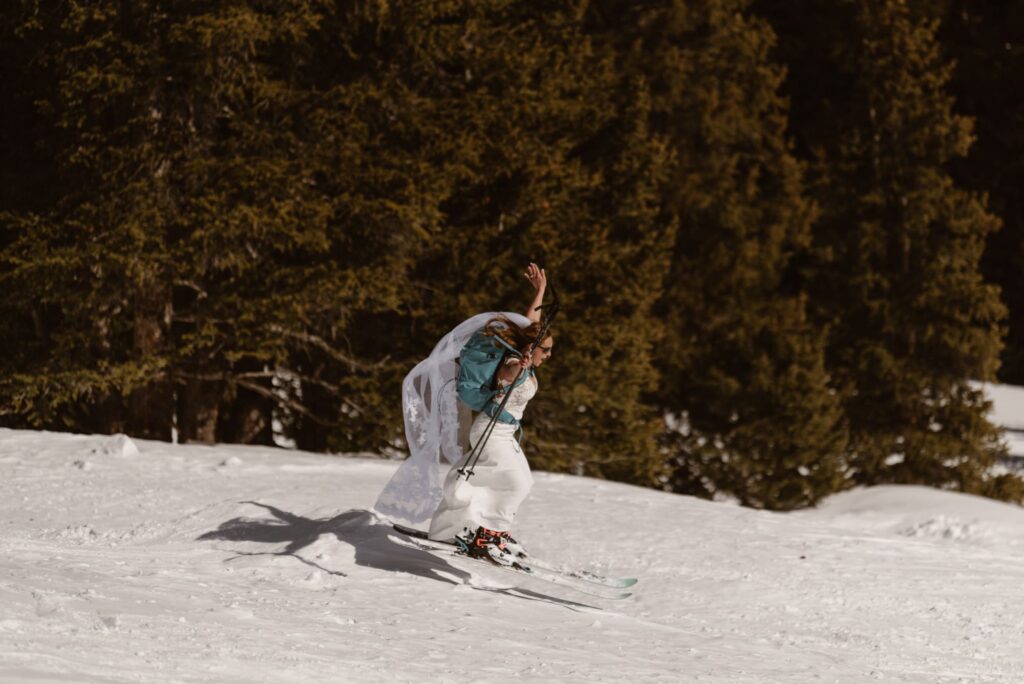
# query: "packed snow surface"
[167,563]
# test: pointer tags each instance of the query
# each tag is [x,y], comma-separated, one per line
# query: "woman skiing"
[477,513]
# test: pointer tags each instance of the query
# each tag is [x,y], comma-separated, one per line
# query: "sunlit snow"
[245,564]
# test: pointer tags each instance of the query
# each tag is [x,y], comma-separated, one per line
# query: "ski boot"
[514,547]
[484,544]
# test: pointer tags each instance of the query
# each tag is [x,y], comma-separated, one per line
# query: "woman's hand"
[514,362]
[511,368]
[539,279]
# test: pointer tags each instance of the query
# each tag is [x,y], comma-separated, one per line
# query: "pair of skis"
[582,581]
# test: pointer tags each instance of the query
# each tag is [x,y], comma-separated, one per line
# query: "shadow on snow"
[368,535]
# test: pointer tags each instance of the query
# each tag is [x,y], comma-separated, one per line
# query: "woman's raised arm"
[539,279]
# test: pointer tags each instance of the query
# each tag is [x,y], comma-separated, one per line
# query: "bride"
[477,515]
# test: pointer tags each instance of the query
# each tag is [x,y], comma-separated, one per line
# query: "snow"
[1007,405]
[1008,412]
[250,564]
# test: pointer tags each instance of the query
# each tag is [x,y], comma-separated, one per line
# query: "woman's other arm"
[510,369]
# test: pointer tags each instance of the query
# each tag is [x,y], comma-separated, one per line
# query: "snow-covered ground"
[240,564]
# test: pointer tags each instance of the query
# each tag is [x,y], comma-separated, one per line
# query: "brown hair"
[518,338]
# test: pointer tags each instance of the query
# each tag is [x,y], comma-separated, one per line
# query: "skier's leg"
[508,482]
[456,511]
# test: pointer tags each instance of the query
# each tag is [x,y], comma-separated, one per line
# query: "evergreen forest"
[786,234]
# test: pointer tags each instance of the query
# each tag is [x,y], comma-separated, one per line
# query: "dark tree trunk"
[198,409]
[248,417]
[151,407]
[311,435]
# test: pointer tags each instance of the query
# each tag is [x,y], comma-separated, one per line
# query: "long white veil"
[431,413]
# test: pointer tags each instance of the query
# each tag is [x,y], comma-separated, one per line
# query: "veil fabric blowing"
[431,413]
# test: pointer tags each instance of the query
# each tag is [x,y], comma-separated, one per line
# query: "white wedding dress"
[432,415]
[501,477]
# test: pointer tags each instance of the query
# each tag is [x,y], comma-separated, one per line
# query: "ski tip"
[617,582]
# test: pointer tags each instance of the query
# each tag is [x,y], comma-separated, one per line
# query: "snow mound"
[923,513]
[117,445]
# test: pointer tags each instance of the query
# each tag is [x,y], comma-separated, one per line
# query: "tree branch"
[323,345]
[252,375]
[284,401]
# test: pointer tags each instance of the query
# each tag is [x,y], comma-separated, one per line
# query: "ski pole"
[550,312]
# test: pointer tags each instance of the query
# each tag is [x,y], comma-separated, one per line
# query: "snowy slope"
[233,564]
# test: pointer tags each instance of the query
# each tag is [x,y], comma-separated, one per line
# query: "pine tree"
[385,152]
[89,266]
[743,377]
[296,231]
[206,235]
[545,156]
[254,241]
[983,41]
[898,243]
[27,183]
